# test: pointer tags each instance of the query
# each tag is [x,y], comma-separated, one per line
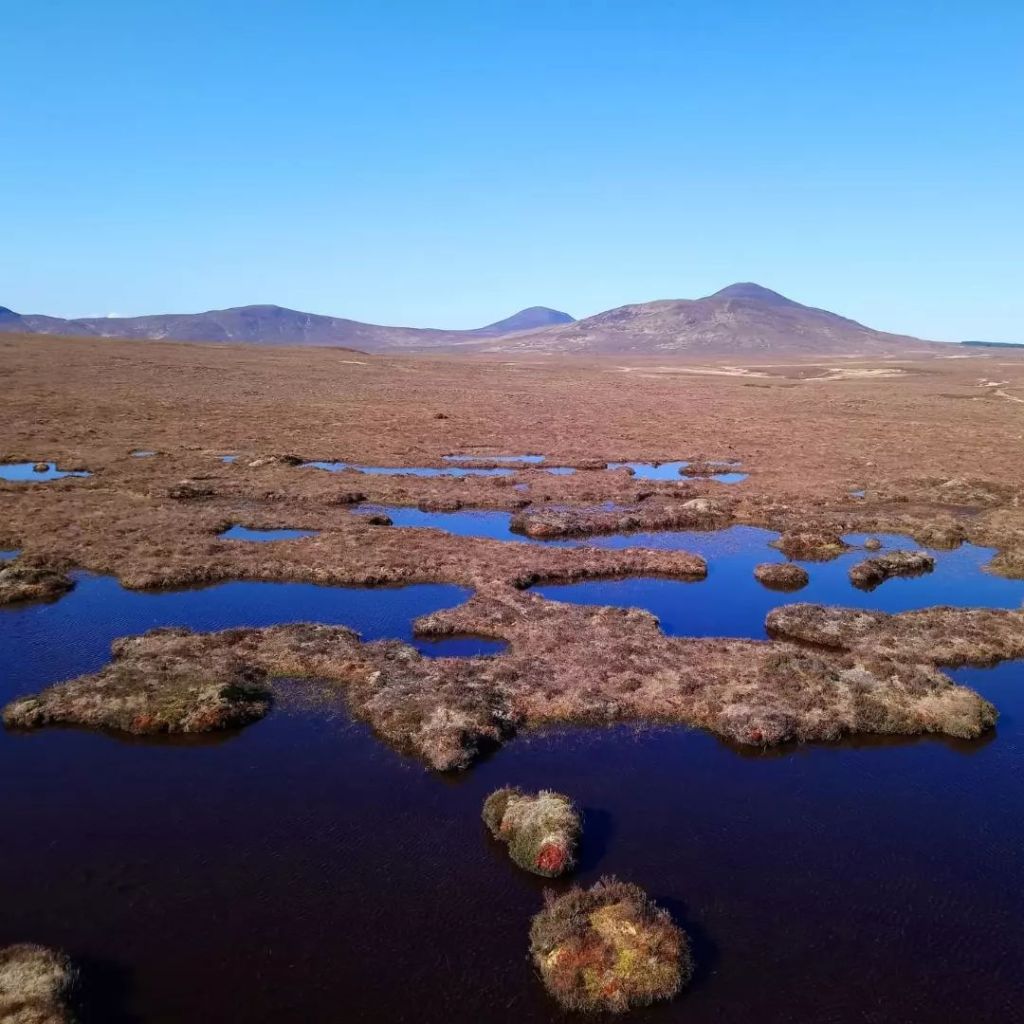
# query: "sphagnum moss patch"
[609,948]
[542,830]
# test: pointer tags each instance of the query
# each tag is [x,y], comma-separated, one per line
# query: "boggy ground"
[927,447]
[563,663]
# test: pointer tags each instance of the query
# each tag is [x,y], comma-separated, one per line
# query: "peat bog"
[325,811]
[300,868]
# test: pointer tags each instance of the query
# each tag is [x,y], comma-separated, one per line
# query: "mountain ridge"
[742,319]
[271,325]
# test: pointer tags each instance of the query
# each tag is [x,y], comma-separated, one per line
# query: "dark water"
[244,533]
[301,871]
[456,471]
[46,642]
[731,602]
[24,472]
[6,556]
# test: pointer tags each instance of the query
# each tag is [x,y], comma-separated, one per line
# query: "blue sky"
[443,164]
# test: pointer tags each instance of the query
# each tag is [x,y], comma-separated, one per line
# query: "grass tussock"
[542,830]
[34,983]
[871,572]
[810,545]
[609,948]
[781,575]
[22,581]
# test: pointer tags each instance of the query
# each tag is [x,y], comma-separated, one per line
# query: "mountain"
[741,320]
[532,319]
[275,325]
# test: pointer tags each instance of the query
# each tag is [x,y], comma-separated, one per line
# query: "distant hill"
[274,325]
[532,319]
[994,344]
[741,320]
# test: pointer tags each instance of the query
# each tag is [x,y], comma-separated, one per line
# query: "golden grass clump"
[609,948]
[34,983]
[542,830]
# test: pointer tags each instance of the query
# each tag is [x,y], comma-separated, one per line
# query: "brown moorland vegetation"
[191,404]
[781,575]
[807,433]
[951,637]
[563,663]
[872,571]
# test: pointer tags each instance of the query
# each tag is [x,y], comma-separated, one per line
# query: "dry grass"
[873,571]
[811,545]
[781,575]
[34,982]
[546,522]
[21,581]
[541,829]
[609,948]
[950,637]
[805,449]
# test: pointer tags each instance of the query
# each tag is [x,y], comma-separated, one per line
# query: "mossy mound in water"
[609,948]
[810,545]
[872,571]
[21,581]
[542,830]
[34,982]
[781,575]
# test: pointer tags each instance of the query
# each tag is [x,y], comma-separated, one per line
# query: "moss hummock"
[609,948]
[541,830]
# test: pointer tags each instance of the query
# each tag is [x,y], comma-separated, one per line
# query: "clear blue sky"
[445,163]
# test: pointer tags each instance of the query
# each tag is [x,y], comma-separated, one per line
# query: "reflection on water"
[673,471]
[730,602]
[26,472]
